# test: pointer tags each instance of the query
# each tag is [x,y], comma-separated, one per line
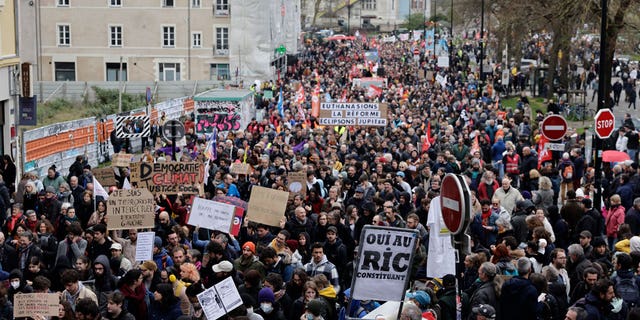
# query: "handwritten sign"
[297,182]
[241,168]
[220,299]
[106,176]
[29,304]
[144,246]
[121,160]
[353,114]
[130,209]
[168,177]
[267,206]
[211,215]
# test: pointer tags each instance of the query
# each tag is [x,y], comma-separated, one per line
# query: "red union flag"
[543,153]
[300,95]
[374,91]
[315,102]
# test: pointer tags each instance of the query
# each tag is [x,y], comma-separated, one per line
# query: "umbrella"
[614,156]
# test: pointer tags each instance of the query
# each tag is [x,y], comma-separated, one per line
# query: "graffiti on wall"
[223,115]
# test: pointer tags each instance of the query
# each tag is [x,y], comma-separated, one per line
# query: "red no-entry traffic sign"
[455,203]
[605,123]
[554,127]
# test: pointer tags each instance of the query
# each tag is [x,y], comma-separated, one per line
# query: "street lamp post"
[602,103]
[481,48]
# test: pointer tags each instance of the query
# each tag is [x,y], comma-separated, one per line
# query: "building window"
[219,71]
[168,3]
[222,41]
[169,71]
[115,36]
[65,71]
[113,71]
[222,7]
[168,36]
[196,40]
[64,35]
[63,3]
[369,5]
[195,3]
[115,3]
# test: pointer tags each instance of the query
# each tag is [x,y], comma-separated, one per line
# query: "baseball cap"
[400,174]
[116,246]
[586,234]
[421,297]
[224,266]
[485,310]
[332,229]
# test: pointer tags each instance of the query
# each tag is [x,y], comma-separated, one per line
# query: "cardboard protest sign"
[106,176]
[168,177]
[241,168]
[121,160]
[130,209]
[353,114]
[385,258]
[267,206]
[144,246]
[220,299]
[297,182]
[211,215]
[29,304]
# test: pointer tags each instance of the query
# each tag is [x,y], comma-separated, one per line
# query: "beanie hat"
[250,245]
[157,242]
[315,306]
[266,295]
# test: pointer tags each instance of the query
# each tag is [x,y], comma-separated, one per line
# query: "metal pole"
[173,143]
[451,54]
[348,17]
[189,39]
[481,49]
[602,100]
[120,87]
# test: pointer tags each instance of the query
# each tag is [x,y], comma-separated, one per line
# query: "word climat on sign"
[168,177]
[353,114]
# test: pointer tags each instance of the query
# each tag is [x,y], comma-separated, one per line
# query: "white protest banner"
[212,215]
[130,209]
[220,299]
[28,304]
[384,261]
[144,246]
[267,206]
[353,114]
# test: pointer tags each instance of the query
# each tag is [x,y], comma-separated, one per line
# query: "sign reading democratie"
[384,261]
[168,177]
[353,114]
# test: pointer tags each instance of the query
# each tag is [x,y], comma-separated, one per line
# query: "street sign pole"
[173,143]
[602,100]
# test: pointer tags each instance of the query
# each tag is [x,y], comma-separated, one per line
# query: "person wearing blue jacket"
[519,297]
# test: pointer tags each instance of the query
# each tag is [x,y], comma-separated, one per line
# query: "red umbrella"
[614,156]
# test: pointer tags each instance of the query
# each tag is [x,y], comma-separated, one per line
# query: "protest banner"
[106,176]
[384,260]
[168,177]
[220,299]
[232,200]
[353,114]
[29,304]
[121,160]
[237,221]
[144,246]
[241,168]
[130,209]
[297,182]
[267,206]
[211,215]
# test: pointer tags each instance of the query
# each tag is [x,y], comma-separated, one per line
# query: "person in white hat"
[116,254]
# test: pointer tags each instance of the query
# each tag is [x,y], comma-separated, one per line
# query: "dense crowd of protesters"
[540,250]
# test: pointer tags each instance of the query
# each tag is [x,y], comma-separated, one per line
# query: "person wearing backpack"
[566,169]
[626,283]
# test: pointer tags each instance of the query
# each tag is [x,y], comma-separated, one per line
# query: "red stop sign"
[605,123]
[452,203]
[554,127]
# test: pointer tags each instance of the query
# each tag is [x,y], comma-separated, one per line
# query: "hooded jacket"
[518,299]
[105,284]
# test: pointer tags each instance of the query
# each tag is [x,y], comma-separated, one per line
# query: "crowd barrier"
[59,144]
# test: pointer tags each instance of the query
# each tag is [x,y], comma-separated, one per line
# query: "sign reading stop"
[605,123]
[554,127]
[455,203]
